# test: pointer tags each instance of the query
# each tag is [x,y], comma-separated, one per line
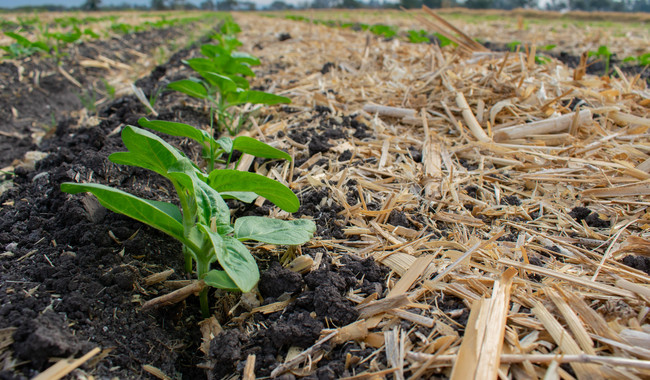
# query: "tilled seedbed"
[438,242]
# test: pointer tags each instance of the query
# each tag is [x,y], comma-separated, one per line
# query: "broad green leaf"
[130,159]
[230,28]
[242,83]
[259,97]
[160,215]
[224,180]
[209,203]
[67,37]
[257,148]
[213,245]
[234,67]
[224,83]
[189,87]
[213,51]
[235,259]
[40,45]
[20,39]
[644,59]
[274,231]
[245,58]
[244,196]
[146,150]
[226,144]
[230,43]
[219,279]
[90,32]
[240,264]
[220,61]
[604,51]
[177,129]
[201,64]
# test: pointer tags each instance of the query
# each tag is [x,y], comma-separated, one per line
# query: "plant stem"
[201,270]
[203,300]
[188,221]
[188,259]
[211,163]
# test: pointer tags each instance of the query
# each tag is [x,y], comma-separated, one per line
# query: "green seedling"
[385,31]
[23,47]
[91,33]
[641,60]
[230,27]
[418,36]
[52,120]
[444,41]
[604,54]
[223,92]
[222,83]
[88,100]
[110,89]
[512,46]
[63,39]
[202,224]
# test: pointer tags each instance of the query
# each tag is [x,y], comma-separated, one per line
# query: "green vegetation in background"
[53,43]
[641,60]
[385,31]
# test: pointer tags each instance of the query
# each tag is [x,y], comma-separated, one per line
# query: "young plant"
[604,54]
[641,60]
[23,47]
[203,223]
[444,41]
[223,82]
[385,31]
[418,37]
[222,92]
[513,45]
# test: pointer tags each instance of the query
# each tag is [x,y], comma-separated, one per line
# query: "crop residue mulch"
[477,214]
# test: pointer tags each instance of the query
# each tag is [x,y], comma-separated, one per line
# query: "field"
[480,209]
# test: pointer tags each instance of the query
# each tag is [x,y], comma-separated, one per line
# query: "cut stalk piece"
[470,119]
[554,125]
[389,111]
[175,296]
